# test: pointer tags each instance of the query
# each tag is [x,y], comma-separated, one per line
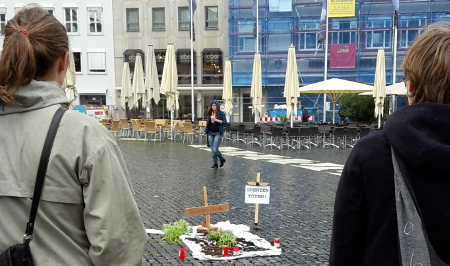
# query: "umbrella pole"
[334,108]
[379,121]
[292,122]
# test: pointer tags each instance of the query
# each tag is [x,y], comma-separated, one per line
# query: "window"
[97,62]
[132,19]
[211,18]
[160,57]
[2,18]
[212,66]
[381,35]
[71,18]
[183,18]
[95,20]
[184,66]
[77,59]
[347,36]
[412,25]
[158,20]
[308,35]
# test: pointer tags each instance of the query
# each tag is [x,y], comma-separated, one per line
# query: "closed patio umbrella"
[138,81]
[70,79]
[256,89]
[151,77]
[291,92]
[169,81]
[379,85]
[227,95]
[126,85]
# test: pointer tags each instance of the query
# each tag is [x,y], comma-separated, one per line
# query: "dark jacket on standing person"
[221,116]
[365,219]
[305,115]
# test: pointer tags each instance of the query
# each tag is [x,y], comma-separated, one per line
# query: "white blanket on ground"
[239,231]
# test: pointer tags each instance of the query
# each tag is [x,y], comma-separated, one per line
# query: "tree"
[360,108]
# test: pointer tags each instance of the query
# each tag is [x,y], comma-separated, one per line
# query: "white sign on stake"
[257,194]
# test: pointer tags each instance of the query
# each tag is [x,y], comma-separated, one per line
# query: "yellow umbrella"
[227,95]
[335,88]
[70,79]
[291,92]
[169,81]
[151,76]
[379,85]
[256,89]
[138,81]
[126,85]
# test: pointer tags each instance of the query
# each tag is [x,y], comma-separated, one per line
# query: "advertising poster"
[343,55]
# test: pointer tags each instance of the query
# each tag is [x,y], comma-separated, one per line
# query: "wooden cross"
[257,183]
[207,210]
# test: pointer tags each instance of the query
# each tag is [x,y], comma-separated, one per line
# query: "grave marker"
[207,210]
[257,183]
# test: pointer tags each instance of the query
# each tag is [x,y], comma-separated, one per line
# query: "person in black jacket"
[305,114]
[365,219]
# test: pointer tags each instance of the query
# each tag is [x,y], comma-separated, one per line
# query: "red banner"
[343,55]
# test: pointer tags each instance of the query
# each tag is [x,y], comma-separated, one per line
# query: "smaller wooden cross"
[207,210]
[257,183]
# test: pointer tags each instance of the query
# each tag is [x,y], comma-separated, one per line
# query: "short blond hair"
[427,65]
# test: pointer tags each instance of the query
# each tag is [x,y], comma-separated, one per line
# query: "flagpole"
[257,46]
[394,67]
[192,62]
[325,67]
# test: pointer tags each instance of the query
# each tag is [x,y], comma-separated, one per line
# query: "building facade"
[89,27]
[140,23]
[297,22]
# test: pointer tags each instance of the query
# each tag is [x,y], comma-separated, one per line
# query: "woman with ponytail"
[87,213]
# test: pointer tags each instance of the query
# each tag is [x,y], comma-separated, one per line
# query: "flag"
[396,6]
[323,25]
[254,9]
[255,23]
[194,5]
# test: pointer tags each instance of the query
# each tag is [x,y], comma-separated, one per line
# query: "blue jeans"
[214,139]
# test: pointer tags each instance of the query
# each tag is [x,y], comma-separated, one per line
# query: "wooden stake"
[257,205]
[208,216]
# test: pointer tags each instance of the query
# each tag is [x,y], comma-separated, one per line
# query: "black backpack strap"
[42,170]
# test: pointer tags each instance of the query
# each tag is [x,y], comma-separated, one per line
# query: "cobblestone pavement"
[169,177]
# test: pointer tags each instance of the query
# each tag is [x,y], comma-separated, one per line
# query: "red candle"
[225,251]
[276,242]
[181,254]
[235,251]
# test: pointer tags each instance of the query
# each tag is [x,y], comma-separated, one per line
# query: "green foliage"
[283,118]
[222,238]
[360,108]
[173,233]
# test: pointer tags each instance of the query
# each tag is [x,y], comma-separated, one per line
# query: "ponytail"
[18,65]
[34,39]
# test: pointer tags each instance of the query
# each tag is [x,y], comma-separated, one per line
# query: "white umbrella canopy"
[151,77]
[291,92]
[256,89]
[169,81]
[126,85]
[334,88]
[138,81]
[379,85]
[227,95]
[70,79]
[394,89]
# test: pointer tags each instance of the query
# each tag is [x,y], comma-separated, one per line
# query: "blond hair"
[427,65]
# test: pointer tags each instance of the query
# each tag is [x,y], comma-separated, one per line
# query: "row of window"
[70,19]
[96,62]
[159,18]
[212,64]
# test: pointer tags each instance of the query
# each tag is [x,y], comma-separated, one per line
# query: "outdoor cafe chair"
[277,133]
[137,128]
[150,128]
[255,136]
[188,131]
[115,127]
[241,134]
[124,127]
[363,131]
[351,137]
[304,139]
[291,137]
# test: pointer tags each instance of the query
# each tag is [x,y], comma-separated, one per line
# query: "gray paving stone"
[169,177]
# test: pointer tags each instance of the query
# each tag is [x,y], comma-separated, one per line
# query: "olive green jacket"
[87,213]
